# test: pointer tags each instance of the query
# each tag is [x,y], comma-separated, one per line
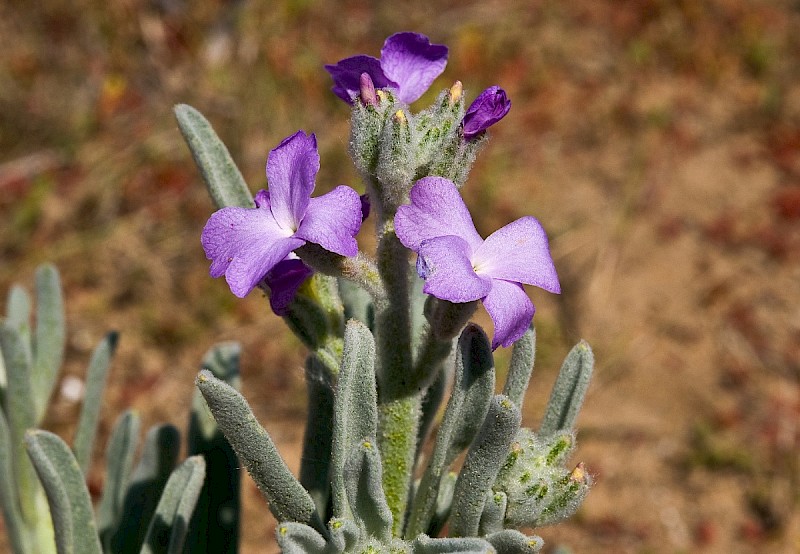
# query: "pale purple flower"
[459,266]
[244,244]
[409,63]
[488,108]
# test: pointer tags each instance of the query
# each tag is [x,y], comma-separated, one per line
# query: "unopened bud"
[367,90]
[455,92]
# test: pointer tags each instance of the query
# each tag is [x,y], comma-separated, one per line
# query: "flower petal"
[411,61]
[333,220]
[444,263]
[436,209]
[518,252]
[511,311]
[282,283]
[488,108]
[291,170]
[347,76]
[244,244]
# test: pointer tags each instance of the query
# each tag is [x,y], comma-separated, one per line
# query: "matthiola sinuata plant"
[389,342]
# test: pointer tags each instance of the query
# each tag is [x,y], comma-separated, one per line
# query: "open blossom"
[459,266]
[488,108]
[409,63]
[245,244]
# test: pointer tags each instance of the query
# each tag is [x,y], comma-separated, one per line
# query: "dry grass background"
[657,141]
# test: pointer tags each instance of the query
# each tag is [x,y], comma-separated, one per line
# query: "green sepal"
[288,500]
[318,437]
[466,545]
[224,181]
[214,527]
[90,412]
[363,483]
[49,339]
[120,454]
[437,128]
[298,538]
[355,412]
[396,159]
[159,456]
[67,495]
[511,541]
[20,411]
[569,390]
[170,522]
[484,460]
[15,525]
[465,412]
[494,512]
[520,367]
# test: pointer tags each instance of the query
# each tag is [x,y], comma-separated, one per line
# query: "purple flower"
[244,244]
[409,63]
[459,266]
[488,108]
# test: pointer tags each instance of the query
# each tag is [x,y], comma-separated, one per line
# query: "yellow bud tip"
[367,445]
[400,117]
[282,530]
[456,91]
[381,95]
[578,474]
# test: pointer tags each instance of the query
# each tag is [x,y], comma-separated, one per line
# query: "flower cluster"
[257,246]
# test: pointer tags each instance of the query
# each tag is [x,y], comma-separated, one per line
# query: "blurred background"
[657,141]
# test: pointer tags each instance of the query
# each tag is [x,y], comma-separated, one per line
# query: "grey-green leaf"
[494,511]
[50,336]
[90,412]
[159,456]
[15,526]
[119,462]
[170,521]
[355,406]
[520,367]
[483,462]
[298,538]
[472,391]
[363,482]
[569,390]
[223,179]
[70,503]
[511,541]
[288,500]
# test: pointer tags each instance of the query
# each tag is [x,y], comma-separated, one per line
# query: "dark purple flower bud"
[365,206]
[282,282]
[367,90]
[488,108]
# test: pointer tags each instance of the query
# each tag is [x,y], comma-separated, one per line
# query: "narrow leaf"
[119,462]
[483,462]
[472,391]
[224,181]
[355,406]
[569,390]
[90,412]
[363,482]
[215,523]
[15,525]
[159,456]
[468,545]
[50,337]
[318,437]
[70,503]
[520,367]
[21,416]
[298,538]
[511,541]
[287,498]
[494,512]
[18,309]
[170,521]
